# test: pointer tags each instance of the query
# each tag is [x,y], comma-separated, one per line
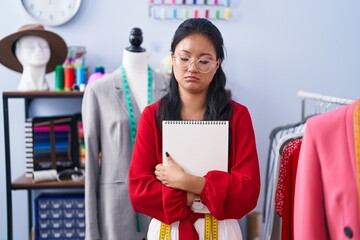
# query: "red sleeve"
[232,195]
[147,194]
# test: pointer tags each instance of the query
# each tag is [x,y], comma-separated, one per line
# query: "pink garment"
[326,196]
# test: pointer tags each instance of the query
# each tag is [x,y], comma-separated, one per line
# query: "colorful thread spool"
[174,13]
[99,72]
[100,69]
[185,13]
[206,13]
[217,14]
[59,78]
[81,77]
[69,79]
[227,14]
[227,3]
[162,13]
[196,13]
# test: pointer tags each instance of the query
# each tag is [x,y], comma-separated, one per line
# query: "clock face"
[52,12]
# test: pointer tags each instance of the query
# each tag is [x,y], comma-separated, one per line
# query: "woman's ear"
[218,63]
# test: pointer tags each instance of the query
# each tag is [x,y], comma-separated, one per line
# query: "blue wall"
[274,49]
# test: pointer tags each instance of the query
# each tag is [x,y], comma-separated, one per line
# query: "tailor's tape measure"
[357,144]
[214,228]
[165,231]
[207,226]
[210,227]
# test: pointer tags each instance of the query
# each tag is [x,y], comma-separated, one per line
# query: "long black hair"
[217,100]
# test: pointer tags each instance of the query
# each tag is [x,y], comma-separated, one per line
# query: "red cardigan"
[228,195]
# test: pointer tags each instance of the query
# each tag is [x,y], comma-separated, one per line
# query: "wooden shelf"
[24,182]
[42,94]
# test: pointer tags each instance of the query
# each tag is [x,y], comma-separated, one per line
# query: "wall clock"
[51,12]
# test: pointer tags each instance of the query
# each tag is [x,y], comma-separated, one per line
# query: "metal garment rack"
[321,98]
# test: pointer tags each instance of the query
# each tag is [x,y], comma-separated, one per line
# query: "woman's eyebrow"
[201,55]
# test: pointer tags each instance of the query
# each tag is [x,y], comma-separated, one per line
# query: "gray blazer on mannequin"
[108,211]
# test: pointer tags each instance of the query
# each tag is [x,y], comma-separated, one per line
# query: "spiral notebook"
[197,146]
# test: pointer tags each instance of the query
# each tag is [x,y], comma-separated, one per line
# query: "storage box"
[59,216]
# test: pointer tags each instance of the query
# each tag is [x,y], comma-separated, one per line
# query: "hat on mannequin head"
[57,45]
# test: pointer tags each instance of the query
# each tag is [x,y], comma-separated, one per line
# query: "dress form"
[33,53]
[135,63]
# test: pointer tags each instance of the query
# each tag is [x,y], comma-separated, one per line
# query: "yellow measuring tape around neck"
[210,229]
[357,146]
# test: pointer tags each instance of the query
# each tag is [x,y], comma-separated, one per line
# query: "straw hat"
[57,46]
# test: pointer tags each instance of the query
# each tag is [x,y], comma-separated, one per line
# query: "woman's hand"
[171,175]
[174,176]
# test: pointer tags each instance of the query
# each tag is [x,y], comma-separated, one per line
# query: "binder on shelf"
[52,143]
[197,146]
[80,132]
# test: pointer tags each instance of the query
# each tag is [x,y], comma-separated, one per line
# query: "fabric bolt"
[326,198]
[228,195]
[108,211]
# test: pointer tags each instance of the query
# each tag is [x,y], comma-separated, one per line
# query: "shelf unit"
[23,182]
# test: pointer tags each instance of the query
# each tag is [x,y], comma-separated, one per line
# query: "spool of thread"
[206,13]
[217,14]
[80,75]
[99,72]
[69,78]
[227,14]
[59,78]
[174,13]
[152,12]
[227,3]
[185,13]
[100,69]
[95,76]
[162,13]
[196,13]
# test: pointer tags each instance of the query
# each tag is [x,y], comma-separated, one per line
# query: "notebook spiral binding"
[200,122]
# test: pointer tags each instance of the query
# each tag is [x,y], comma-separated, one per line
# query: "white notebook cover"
[197,146]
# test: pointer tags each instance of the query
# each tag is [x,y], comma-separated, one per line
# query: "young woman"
[197,92]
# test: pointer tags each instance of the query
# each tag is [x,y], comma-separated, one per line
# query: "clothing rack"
[321,98]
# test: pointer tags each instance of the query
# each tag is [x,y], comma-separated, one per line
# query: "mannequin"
[135,62]
[107,130]
[33,53]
